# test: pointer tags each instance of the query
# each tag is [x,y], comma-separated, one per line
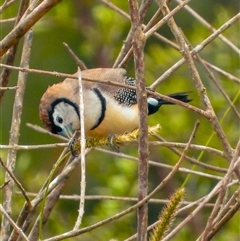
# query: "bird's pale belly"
[118,120]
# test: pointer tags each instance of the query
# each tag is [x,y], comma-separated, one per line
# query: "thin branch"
[151,143]
[144,7]
[4,184]
[151,32]
[19,31]
[138,48]
[217,189]
[74,233]
[78,61]
[218,85]
[10,56]
[6,4]
[195,50]
[211,28]
[225,209]
[222,193]
[222,72]
[9,88]
[162,165]
[18,184]
[176,167]
[83,149]
[118,198]
[191,159]
[52,199]
[15,131]
[26,215]
[14,225]
[211,116]
[224,220]
[33,147]
[8,20]
[181,210]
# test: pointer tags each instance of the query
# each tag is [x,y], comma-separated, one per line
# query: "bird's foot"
[113,145]
[74,145]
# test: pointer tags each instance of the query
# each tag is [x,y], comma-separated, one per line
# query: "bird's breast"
[118,119]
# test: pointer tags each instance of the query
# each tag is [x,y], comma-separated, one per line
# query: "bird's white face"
[65,118]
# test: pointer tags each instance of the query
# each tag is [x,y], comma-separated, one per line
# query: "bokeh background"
[96,34]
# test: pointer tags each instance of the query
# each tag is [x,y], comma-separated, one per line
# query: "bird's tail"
[155,104]
[182,96]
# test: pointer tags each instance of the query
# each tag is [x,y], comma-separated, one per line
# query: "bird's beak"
[67,131]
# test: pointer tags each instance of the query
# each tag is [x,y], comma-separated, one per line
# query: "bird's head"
[58,112]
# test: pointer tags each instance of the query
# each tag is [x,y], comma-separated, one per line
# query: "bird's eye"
[59,120]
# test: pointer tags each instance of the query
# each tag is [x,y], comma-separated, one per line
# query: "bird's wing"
[123,96]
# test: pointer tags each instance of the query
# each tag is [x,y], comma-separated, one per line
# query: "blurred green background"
[96,34]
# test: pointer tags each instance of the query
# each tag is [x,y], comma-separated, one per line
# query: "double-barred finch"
[108,109]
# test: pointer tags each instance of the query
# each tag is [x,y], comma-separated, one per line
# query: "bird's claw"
[113,146]
[73,145]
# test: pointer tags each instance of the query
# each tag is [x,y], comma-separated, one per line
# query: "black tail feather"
[182,96]
[153,106]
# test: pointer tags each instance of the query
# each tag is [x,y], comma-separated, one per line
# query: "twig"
[8,20]
[6,4]
[118,198]
[50,204]
[220,88]
[74,233]
[224,220]
[150,32]
[14,225]
[165,144]
[181,169]
[145,5]
[176,167]
[211,116]
[25,217]
[74,76]
[19,185]
[9,88]
[222,72]
[5,74]
[157,95]
[14,36]
[181,210]
[83,149]
[33,147]
[42,130]
[78,61]
[197,202]
[191,159]
[14,133]
[4,184]
[211,28]
[195,50]
[222,192]
[225,209]
[131,142]
[218,188]
[138,48]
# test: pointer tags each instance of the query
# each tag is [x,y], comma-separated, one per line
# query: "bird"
[108,109]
